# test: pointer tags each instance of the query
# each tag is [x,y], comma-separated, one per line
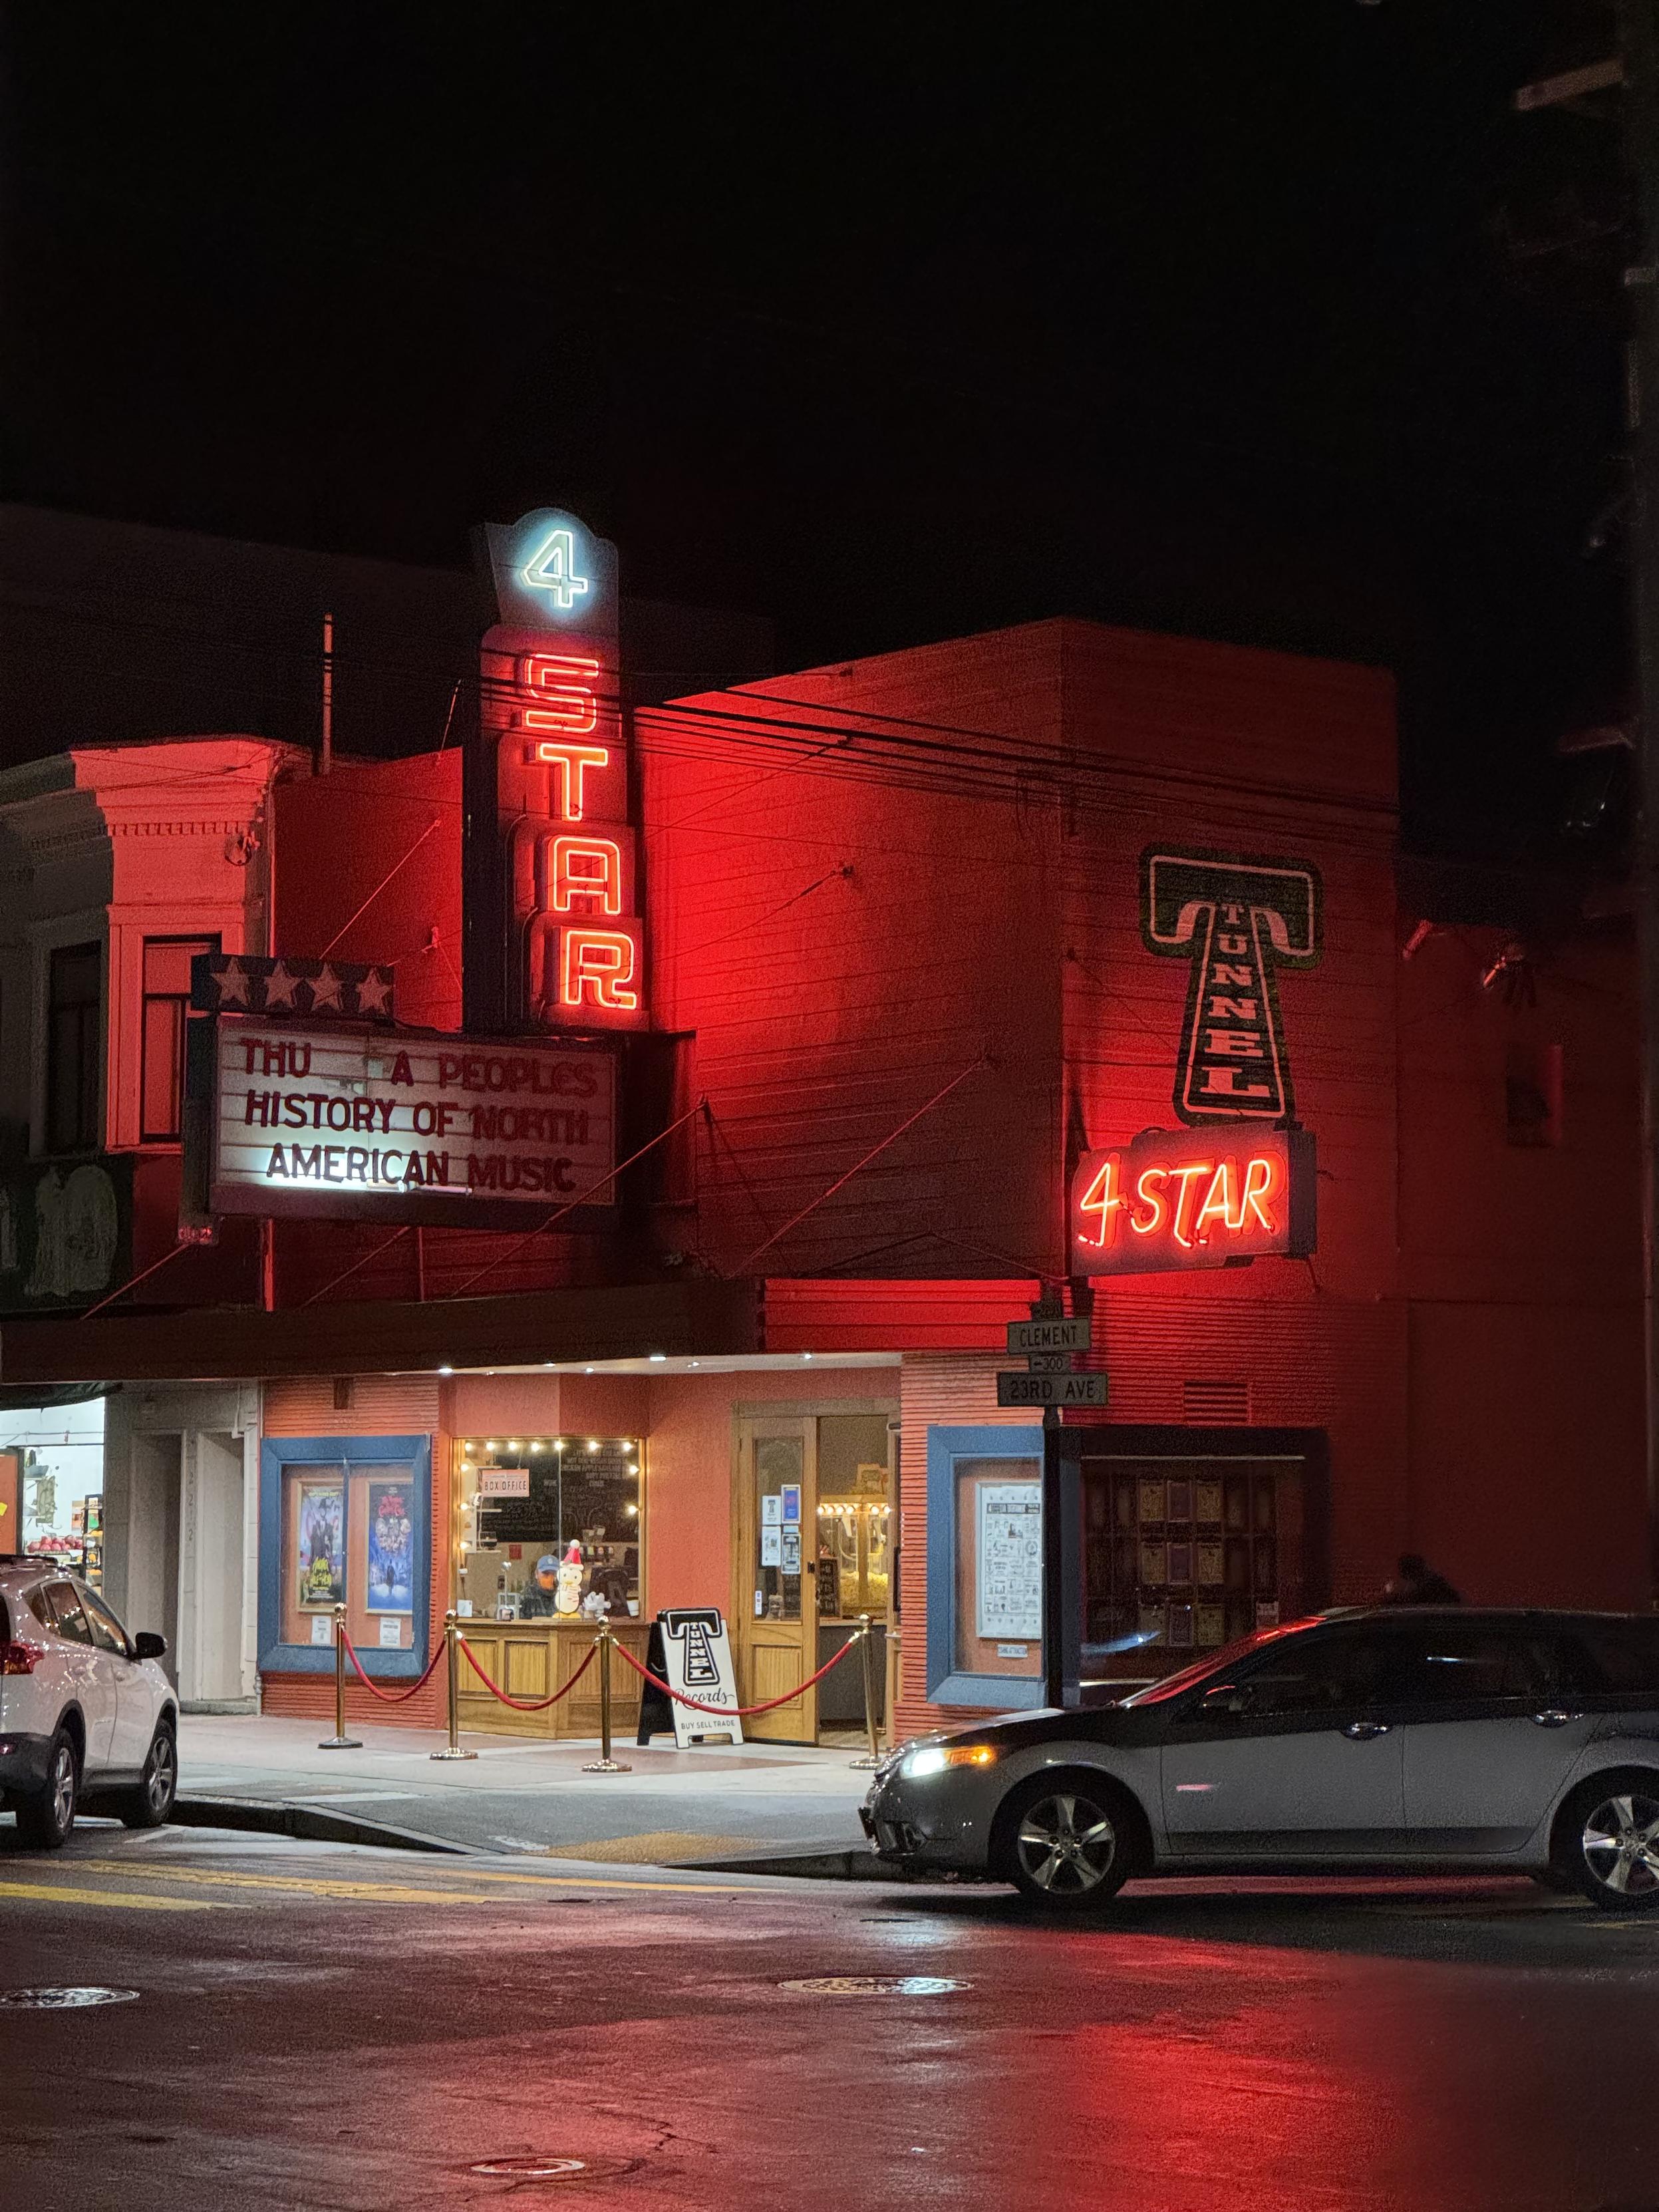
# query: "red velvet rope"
[390,1697]
[540,1704]
[697,1704]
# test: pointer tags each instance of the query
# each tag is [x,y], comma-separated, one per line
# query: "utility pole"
[1634,71]
[1639,48]
[325,752]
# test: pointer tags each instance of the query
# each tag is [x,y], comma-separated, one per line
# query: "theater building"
[617,1143]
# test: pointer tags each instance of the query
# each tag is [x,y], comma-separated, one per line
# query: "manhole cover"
[543,2167]
[63,2000]
[877,1985]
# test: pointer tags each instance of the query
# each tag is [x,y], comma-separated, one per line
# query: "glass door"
[778,1615]
[1187,1552]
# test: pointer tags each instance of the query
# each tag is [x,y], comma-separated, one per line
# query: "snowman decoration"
[568,1583]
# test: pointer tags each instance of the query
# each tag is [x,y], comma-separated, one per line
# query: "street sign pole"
[1063,1562]
[1062,1500]
[1054,1579]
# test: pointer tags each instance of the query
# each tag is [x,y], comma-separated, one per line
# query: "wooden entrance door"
[777,1501]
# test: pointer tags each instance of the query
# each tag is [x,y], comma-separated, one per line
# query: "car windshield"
[1218,1662]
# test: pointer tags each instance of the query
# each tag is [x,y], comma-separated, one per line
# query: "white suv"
[87,1716]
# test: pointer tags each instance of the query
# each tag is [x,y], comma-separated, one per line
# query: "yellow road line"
[63,1894]
[328,1886]
[384,1892]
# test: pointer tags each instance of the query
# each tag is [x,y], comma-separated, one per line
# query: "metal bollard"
[340,1741]
[452,1637]
[867,1659]
[604,1763]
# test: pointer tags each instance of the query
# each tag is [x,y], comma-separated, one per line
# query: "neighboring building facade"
[913,945]
[118,865]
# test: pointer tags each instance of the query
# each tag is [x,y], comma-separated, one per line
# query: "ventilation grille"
[1224,1401]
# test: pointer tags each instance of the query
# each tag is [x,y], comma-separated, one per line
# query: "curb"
[310,1823]
[307,1823]
[850,1865]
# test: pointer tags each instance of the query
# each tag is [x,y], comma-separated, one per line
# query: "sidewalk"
[756,1801]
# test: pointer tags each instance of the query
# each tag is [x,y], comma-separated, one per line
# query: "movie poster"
[390,1547]
[321,1550]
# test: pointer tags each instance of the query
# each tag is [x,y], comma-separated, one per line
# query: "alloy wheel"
[1620,1844]
[1067,1846]
[158,1783]
[63,1787]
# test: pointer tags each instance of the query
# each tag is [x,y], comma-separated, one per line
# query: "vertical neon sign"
[572,942]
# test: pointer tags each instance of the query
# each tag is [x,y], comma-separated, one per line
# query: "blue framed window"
[345,1520]
[985,1566]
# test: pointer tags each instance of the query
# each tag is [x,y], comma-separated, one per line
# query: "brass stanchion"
[895,1646]
[604,1763]
[451,1638]
[340,1741]
[867,1660]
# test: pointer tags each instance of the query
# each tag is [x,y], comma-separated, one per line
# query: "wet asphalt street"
[331,2027]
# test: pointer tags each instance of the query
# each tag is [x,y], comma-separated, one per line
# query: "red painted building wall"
[1521,1265]
[894,917]
[859,877]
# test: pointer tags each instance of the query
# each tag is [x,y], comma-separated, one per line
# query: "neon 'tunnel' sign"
[1193,1199]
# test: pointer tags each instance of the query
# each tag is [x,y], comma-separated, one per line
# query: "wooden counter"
[531,1659]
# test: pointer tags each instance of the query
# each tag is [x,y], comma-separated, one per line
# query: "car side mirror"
[147,1645]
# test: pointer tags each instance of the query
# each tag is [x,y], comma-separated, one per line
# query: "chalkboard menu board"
[573,1493]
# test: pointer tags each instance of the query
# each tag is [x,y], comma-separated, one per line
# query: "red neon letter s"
[1153,1200]
[597,969]
[563,686]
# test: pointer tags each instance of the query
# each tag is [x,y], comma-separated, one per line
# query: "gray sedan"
[1384,1738]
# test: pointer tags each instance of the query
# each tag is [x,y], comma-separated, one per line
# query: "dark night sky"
[890,322]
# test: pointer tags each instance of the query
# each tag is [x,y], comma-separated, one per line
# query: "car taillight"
[18,1658]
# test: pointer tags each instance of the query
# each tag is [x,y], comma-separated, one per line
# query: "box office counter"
[533,1659]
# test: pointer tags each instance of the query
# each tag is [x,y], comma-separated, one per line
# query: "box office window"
[546,1523]
[165,1014]
[344,1521]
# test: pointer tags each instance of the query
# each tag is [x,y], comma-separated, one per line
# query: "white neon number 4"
[554,569]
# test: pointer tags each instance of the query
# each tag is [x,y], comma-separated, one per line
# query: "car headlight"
[935,1758]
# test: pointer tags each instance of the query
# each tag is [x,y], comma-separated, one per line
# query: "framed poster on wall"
[390,1547]
[985,1565]
[319,1539]
[344,1521]
[1008,1559]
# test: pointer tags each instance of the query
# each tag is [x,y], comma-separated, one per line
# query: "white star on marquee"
[279,986]
[233,985]
[373,992]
